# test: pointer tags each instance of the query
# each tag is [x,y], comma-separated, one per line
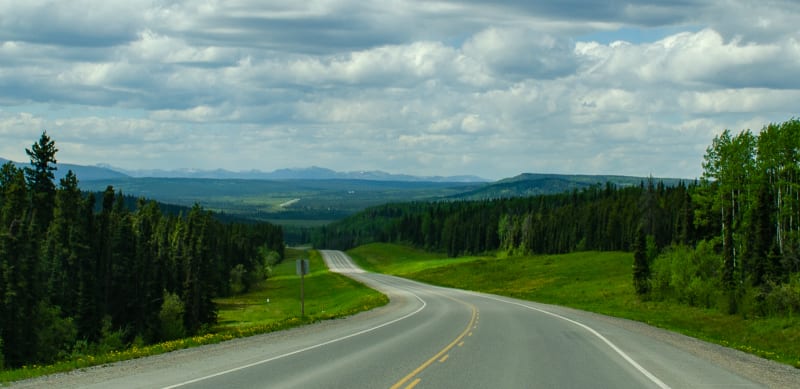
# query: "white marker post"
[301,266]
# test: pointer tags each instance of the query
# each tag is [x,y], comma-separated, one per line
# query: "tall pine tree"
[41,182]
[641,266]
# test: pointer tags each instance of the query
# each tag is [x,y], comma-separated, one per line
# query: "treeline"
[597,218]
[729,241]
[82,272]
[749,202]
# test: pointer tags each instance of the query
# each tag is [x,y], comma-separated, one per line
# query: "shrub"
[702,293]
[56,335]
[687,275]
[661,277]
[237,279]
[171,317]
[784,298]
[110,339]
[270,258]
[752,302]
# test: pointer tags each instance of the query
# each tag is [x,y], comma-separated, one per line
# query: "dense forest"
[729,240]
[597,218]
[85,271]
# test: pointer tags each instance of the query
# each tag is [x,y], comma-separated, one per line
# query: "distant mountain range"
[104,172]
[84,173]
[310,173]
[526,184]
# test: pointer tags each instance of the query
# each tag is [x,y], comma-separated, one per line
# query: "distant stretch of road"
[432,337]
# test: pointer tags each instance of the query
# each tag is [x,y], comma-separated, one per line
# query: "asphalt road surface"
[432,337]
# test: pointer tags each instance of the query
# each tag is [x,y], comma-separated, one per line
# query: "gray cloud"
[75,23]
[487,88]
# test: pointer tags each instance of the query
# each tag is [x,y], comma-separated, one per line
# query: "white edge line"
[614,347]
[591,330]
[424,304]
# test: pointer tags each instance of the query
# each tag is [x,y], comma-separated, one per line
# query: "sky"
[492,89]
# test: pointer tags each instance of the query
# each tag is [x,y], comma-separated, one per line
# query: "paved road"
[431,337]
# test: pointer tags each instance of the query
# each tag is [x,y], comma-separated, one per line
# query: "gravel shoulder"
[769,373]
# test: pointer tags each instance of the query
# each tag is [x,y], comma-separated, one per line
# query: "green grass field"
[400,260]
[327,295]
[593,281]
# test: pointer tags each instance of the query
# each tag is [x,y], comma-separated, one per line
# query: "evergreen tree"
[122,296]
[20,271]
[103,252]
[106,275]
[641,265]
[41,181]
[88,304]
[147,269]
[197,290]
[66,245]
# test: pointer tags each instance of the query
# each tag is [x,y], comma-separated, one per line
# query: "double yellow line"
[440,354]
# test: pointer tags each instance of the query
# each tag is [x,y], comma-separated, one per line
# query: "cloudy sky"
[419,87]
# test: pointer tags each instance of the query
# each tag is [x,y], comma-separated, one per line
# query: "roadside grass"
[399,259]
[592,281]
[327,296]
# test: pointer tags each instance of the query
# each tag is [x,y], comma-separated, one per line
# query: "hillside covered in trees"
[729,240]
[81,272]
[597,218]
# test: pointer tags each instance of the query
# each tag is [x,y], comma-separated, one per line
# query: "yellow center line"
[444,358]
[439,354]
[413,383]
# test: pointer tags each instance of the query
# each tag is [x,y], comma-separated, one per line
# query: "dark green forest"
[729,240]
[92,272]
[597,218]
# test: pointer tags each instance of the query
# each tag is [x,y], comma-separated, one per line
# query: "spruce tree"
[65,245]
[20,272]
[641,267]
[103,251]
[88,303]
[40,181]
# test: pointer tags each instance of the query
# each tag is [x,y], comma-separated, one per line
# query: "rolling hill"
[84,173]
[531,184]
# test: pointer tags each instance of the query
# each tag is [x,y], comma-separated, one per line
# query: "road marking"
[288,203]
[413,383]
[444,358]
[591,330]
[337,262]
[424,304]
[461,344]
[440,353]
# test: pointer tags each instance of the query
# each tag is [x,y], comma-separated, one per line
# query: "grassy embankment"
[593,281]
[327,295]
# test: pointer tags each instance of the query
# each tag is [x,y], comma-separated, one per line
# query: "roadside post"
[301,266]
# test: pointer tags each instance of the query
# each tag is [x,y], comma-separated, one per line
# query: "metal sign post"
[301,266]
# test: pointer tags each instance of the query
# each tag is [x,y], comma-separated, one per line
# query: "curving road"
[432,337]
